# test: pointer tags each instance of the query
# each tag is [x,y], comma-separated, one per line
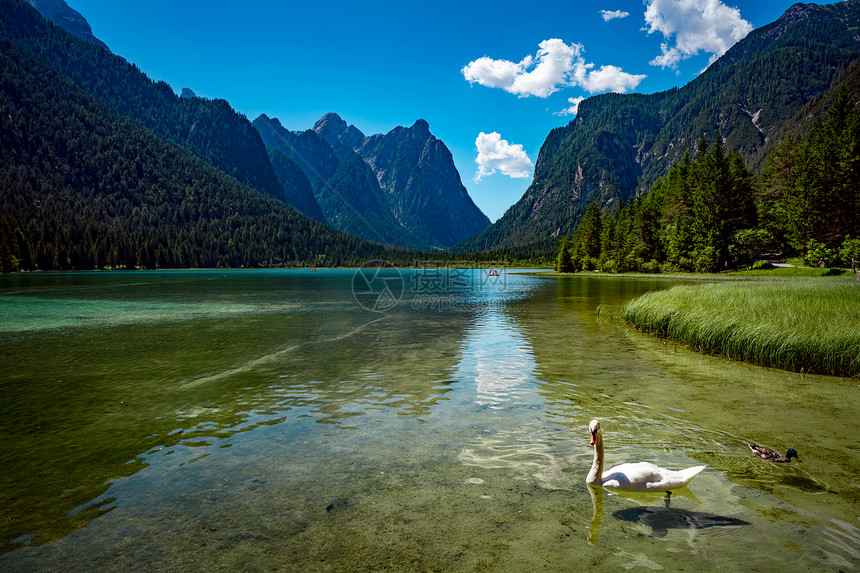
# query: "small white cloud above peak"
[696,25]
[574,108]
[496,154]
[606,79]
[613,14]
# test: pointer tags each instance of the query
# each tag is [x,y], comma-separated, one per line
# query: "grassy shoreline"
[800,324]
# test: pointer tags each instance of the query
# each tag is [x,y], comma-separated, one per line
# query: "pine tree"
[564,264]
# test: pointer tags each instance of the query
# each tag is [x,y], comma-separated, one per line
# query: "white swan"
[641,476]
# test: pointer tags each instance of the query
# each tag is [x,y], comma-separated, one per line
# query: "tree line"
[710,213]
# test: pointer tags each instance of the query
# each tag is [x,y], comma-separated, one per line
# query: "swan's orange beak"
[592,438]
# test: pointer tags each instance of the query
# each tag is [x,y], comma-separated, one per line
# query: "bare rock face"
[401,187]
[332,128]
[60,14]
[343,185]
[418,178]
[422,184]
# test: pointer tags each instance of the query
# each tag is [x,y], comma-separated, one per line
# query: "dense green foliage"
[82,187]
[687,222]
[739,320]
[811,185]
[711,214]
[619,145]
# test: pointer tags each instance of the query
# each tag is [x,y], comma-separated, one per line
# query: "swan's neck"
[596,473]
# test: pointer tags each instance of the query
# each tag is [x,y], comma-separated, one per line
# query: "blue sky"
[511,71]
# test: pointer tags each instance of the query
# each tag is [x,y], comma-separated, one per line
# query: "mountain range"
[209,130]
[401,187]
[618,145]
[305,196]
[100,167]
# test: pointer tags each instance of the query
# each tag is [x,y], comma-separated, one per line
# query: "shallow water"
[428,421]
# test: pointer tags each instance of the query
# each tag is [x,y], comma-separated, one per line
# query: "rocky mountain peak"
[332,121]
[60,14]
[799,11]
[421,129]
[334,130]
[403,183]
[271,121]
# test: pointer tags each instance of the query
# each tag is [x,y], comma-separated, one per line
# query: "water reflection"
[596,494]
[661,519]
[499,359]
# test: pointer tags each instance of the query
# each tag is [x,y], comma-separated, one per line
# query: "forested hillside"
[618,145]
[711,213]
[82,187]
[208,129]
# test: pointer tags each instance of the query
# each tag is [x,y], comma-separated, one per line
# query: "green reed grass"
[805,325]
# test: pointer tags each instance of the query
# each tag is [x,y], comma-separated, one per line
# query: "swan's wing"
[633,476]
[647,476]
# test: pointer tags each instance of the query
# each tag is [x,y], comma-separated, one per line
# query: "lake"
[386,420]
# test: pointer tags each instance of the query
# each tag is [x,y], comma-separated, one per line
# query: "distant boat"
[493,273]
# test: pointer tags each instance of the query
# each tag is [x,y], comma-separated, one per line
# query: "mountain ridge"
[82,187]
[69,19]
[414,178]
[208,129]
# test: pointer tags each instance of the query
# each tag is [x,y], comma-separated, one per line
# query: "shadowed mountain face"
[60,14]
[422,185]
[618,145]
[297,188]
[401,187]
[343,185]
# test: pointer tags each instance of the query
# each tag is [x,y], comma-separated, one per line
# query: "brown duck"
[772,456]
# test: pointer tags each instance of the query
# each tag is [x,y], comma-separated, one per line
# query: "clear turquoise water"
[266,420]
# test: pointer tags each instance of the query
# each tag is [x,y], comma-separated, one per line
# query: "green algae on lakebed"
[265,420]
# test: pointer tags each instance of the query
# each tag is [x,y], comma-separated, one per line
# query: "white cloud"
[550,68]
[607,78]
[573,109]
[496,154]
[613,14]
[697,25]
[556,65]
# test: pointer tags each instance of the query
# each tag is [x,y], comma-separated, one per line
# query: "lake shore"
[804,325]
[795,318]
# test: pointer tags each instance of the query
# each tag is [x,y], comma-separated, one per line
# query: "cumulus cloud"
[556,65]
[696,25]
[496,154]
[574,108]
[607,78]
[539,76]
[613,14]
